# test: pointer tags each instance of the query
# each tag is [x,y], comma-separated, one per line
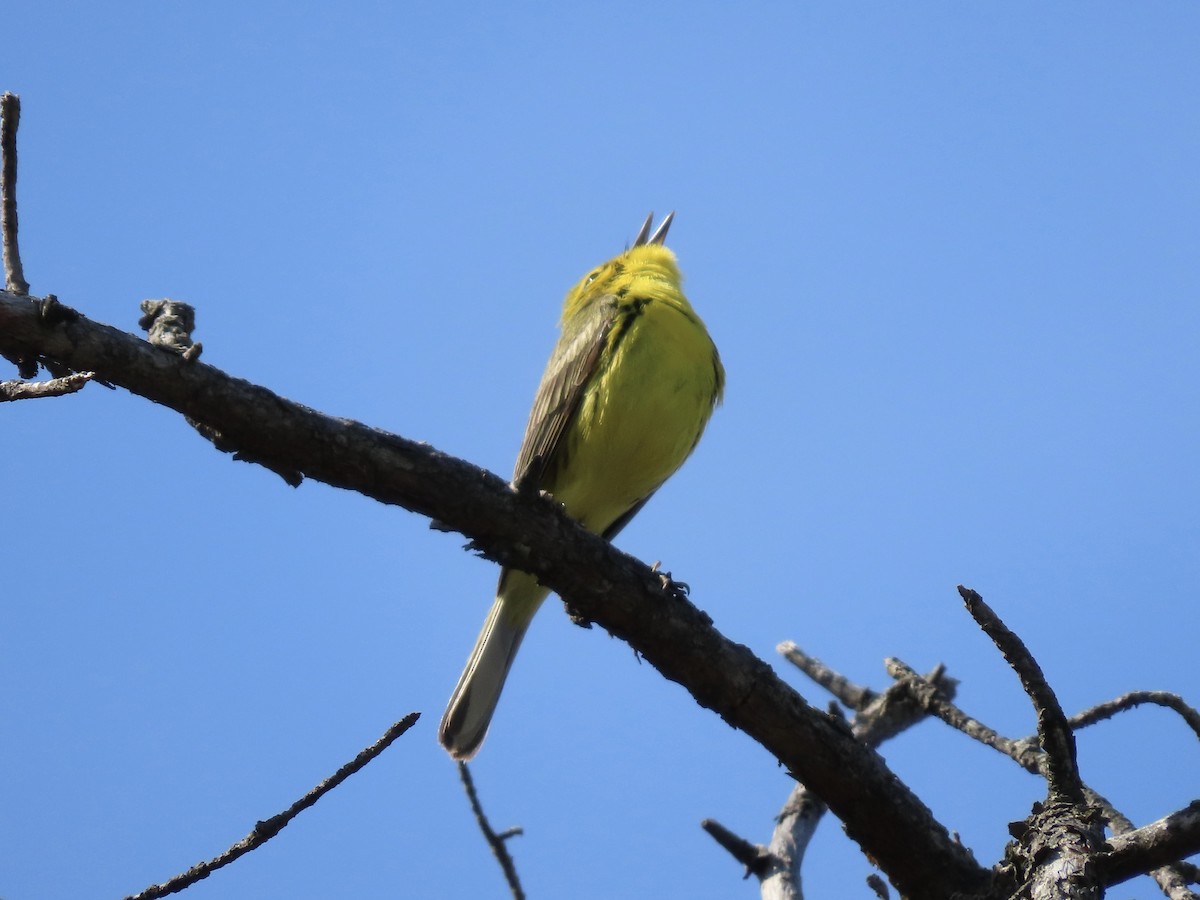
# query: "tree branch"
[494,840]
[1172,879]
[879,717]
[265,830]
[527,531]
[1024,753]
[1160,843]
[1107,710]
[1166,870]
[1054,734]
[10,118]
[755,857]
[55,387]
[849,694]
[1054,849]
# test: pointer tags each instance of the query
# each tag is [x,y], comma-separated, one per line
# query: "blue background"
[948,252]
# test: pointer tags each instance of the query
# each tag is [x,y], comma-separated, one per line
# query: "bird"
[625,397]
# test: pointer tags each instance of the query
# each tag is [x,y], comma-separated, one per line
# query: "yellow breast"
[642,412]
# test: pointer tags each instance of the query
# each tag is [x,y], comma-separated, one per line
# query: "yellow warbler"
[623,402]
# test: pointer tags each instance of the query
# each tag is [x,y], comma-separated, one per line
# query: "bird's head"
[646,267]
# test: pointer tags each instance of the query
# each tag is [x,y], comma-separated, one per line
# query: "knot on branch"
[169,324]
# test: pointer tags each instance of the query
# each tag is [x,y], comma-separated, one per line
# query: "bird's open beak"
[660,233]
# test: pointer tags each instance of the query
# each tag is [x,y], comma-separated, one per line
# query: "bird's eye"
[592,277]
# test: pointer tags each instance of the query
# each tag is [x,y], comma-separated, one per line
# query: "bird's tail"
[465,722]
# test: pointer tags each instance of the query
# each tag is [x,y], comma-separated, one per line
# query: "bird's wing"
[622,520]
[571,366]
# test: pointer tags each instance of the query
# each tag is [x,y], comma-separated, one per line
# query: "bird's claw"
[677,589]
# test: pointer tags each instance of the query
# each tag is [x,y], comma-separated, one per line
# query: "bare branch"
[55,387]
[1103,711]
[1160,843]
[847,692]
[169,324]
[753,856]
[1173,883]
[10,118]
[265,830]
[1054,734]
[530,532]
[1190,872]
[897,709]
[1026,754]
[776,866]
[47,314]
[494,840]
[882,716]
[1172,879]
[1052,852]
[1029,756]
[794,828]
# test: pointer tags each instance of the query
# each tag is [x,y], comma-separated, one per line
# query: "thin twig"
[1107,710]
[55,387]
[1026,754]
[754,857]
[10,118]
[1054,734]
[265,830]
[850,694]
[897,709]
[494,840]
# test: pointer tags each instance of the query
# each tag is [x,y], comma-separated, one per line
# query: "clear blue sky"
[949,254]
